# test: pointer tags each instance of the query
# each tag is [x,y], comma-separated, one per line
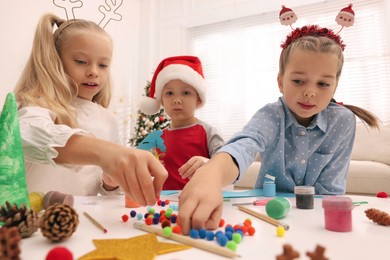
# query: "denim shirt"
[317,155]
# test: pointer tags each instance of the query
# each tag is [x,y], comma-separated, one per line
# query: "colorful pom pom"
[59,253]
[232,245]
[280,231]
[194,233]
[125,218]
[382,194]
[167,231]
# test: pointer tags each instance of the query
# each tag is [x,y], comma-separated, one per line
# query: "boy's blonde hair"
[44,82]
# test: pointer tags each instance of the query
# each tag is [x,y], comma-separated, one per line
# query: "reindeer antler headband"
[109,11]
[345,17]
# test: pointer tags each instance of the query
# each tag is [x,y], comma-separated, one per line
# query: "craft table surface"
[366,241]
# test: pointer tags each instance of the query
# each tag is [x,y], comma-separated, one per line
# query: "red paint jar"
[338,213]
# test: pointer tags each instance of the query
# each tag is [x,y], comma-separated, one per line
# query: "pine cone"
[9,243]
[379,217]
[22,218]
[59,222]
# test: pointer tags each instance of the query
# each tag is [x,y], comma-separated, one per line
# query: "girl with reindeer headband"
[70,138]
[305,138]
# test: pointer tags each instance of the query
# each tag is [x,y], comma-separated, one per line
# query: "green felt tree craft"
[13,183]
[148,123]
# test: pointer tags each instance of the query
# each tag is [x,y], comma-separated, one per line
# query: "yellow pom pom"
[280,231]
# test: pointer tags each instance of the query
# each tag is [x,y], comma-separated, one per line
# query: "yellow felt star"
[144,247]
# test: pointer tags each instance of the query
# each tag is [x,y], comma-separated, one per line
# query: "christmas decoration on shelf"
[148,123]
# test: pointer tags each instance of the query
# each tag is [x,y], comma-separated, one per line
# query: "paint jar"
[269,189]
[338,213]
[304,197]
[53,197]
[278,207]
[130,203]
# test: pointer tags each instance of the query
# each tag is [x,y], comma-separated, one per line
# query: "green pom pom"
[237,238]
[167,231]
[232,245]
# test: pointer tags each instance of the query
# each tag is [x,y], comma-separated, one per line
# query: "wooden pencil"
[223,251]
[95,222]
[263,217]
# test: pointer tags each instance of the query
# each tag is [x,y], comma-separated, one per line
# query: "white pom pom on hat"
[185,68]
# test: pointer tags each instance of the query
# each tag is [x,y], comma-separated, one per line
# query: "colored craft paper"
[144,247]
[13,183]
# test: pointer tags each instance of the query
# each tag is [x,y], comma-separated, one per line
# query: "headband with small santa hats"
[185,68]
[348,11]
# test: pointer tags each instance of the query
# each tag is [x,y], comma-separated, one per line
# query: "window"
[240,59]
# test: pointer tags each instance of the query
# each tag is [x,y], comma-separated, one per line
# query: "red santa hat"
[348,11]
[185,68]
[285,11]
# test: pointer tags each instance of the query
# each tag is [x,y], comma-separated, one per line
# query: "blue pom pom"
[229,235]
[162,203]
[173,219]
[202,233]
[222,240]
[210,235]
[218,233]
[133,213]
[156,220]
[139,216]
[194,233]
[229,228]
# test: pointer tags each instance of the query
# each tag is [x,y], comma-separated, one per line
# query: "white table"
[366,241]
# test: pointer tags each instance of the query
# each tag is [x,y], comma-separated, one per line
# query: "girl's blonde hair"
[44,82]
[324,44]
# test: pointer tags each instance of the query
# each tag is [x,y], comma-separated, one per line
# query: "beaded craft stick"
[188,241]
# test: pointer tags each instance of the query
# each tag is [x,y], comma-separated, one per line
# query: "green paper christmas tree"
[148,123]
[13,183]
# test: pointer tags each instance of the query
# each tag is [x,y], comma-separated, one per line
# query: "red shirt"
[181,145]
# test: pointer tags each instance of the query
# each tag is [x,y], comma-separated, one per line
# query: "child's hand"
[189,168]
[201,203]
[138,173]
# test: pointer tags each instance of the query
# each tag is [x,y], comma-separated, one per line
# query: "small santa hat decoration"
[346,16]
[348,11]
[185,68]
[287,16]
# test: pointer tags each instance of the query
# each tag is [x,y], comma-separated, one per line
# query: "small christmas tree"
[148,123]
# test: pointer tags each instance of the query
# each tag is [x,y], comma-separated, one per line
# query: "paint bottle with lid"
[278,207]
[304,197]
[338,213]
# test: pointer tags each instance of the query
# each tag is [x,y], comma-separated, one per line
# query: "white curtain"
[240,59]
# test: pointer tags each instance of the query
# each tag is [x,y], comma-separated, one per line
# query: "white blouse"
[39,137]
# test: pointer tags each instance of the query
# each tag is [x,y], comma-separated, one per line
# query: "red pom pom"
[382,194]
[59,253]
[125,218]
[176,230]
[221,222]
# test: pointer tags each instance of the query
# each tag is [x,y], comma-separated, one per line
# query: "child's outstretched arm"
[200,204]
[188,169]
[138,172]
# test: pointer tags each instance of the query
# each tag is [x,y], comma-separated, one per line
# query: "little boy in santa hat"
[179,86]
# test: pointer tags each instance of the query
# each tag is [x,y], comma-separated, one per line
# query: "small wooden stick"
[188,241]
[94,221]
[263,217]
